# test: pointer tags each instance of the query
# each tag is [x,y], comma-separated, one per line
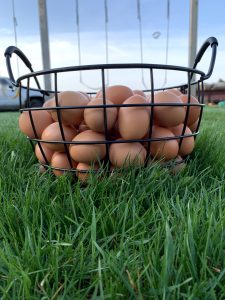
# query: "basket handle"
[8,53]
[211,41]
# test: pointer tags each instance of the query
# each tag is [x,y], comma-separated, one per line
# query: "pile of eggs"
[53,126]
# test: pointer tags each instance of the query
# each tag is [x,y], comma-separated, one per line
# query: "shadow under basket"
[112,139]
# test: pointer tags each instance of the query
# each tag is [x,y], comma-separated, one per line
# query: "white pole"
[44,41]
[193,34]
[15,35]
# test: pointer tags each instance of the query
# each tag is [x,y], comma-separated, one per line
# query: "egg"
[83,127]
[60,160]
[168,116]
[194,111]
[41,120]
[88,153]
[47,152]
[149,98]
[133,122]
[86,95]
[94,117]
[194,126]
[114,132]
[49,103]
[126,154]
[73,116]
[53,133]
[163,149]
[84,176]
[139,92]
[116,93]
[175,92]
[188,143]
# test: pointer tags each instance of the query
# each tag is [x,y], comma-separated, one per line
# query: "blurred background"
[112,31]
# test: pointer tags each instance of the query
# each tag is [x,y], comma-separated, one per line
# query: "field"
[145,235]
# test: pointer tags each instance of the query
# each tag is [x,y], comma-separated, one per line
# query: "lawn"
[145,235]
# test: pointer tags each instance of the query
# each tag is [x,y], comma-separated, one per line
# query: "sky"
[123,38]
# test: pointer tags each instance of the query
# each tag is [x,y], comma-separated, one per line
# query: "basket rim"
[111,66]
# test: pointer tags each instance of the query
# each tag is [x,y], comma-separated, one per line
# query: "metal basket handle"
[211,41]
[8,53]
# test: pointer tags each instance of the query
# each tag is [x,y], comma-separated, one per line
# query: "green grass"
[149,235]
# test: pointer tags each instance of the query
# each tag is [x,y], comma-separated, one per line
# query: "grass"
[149,235]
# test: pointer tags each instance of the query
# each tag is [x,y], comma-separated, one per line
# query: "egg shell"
[114,132]
[94,117]
[163,149]
[133,122]
[149,98]
[86,95]
[175,92]
[82,127]
[140,93]
[188,143]
[84,176]
[194,126]
[168,116]
[60,160]
[116,93]
[49,103]
[88,153]
[73,116]
[41,120]
[194,111]
[47,152]
[127,154]
[53,133]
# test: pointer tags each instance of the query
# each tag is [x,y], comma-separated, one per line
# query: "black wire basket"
[23,82]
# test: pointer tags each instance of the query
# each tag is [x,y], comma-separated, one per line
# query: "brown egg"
[41,120]
[163,149]
[94,117]
[188,143]
[47,152]
[82,127]
[126,154]
[86,95]
[60,160]
[116,93]
[168,116]
[53,133]
[133,122]
[194,126]
[84,176]
[140,93]
[149,98]
[49,103]
[71,116]
[114,133]
[194,111]
[88,153]
[175,92]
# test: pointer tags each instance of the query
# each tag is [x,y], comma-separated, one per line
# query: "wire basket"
[108,141]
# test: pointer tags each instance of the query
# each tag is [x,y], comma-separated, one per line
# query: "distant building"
[215,92]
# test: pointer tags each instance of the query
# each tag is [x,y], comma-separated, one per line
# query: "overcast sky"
[123,34]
